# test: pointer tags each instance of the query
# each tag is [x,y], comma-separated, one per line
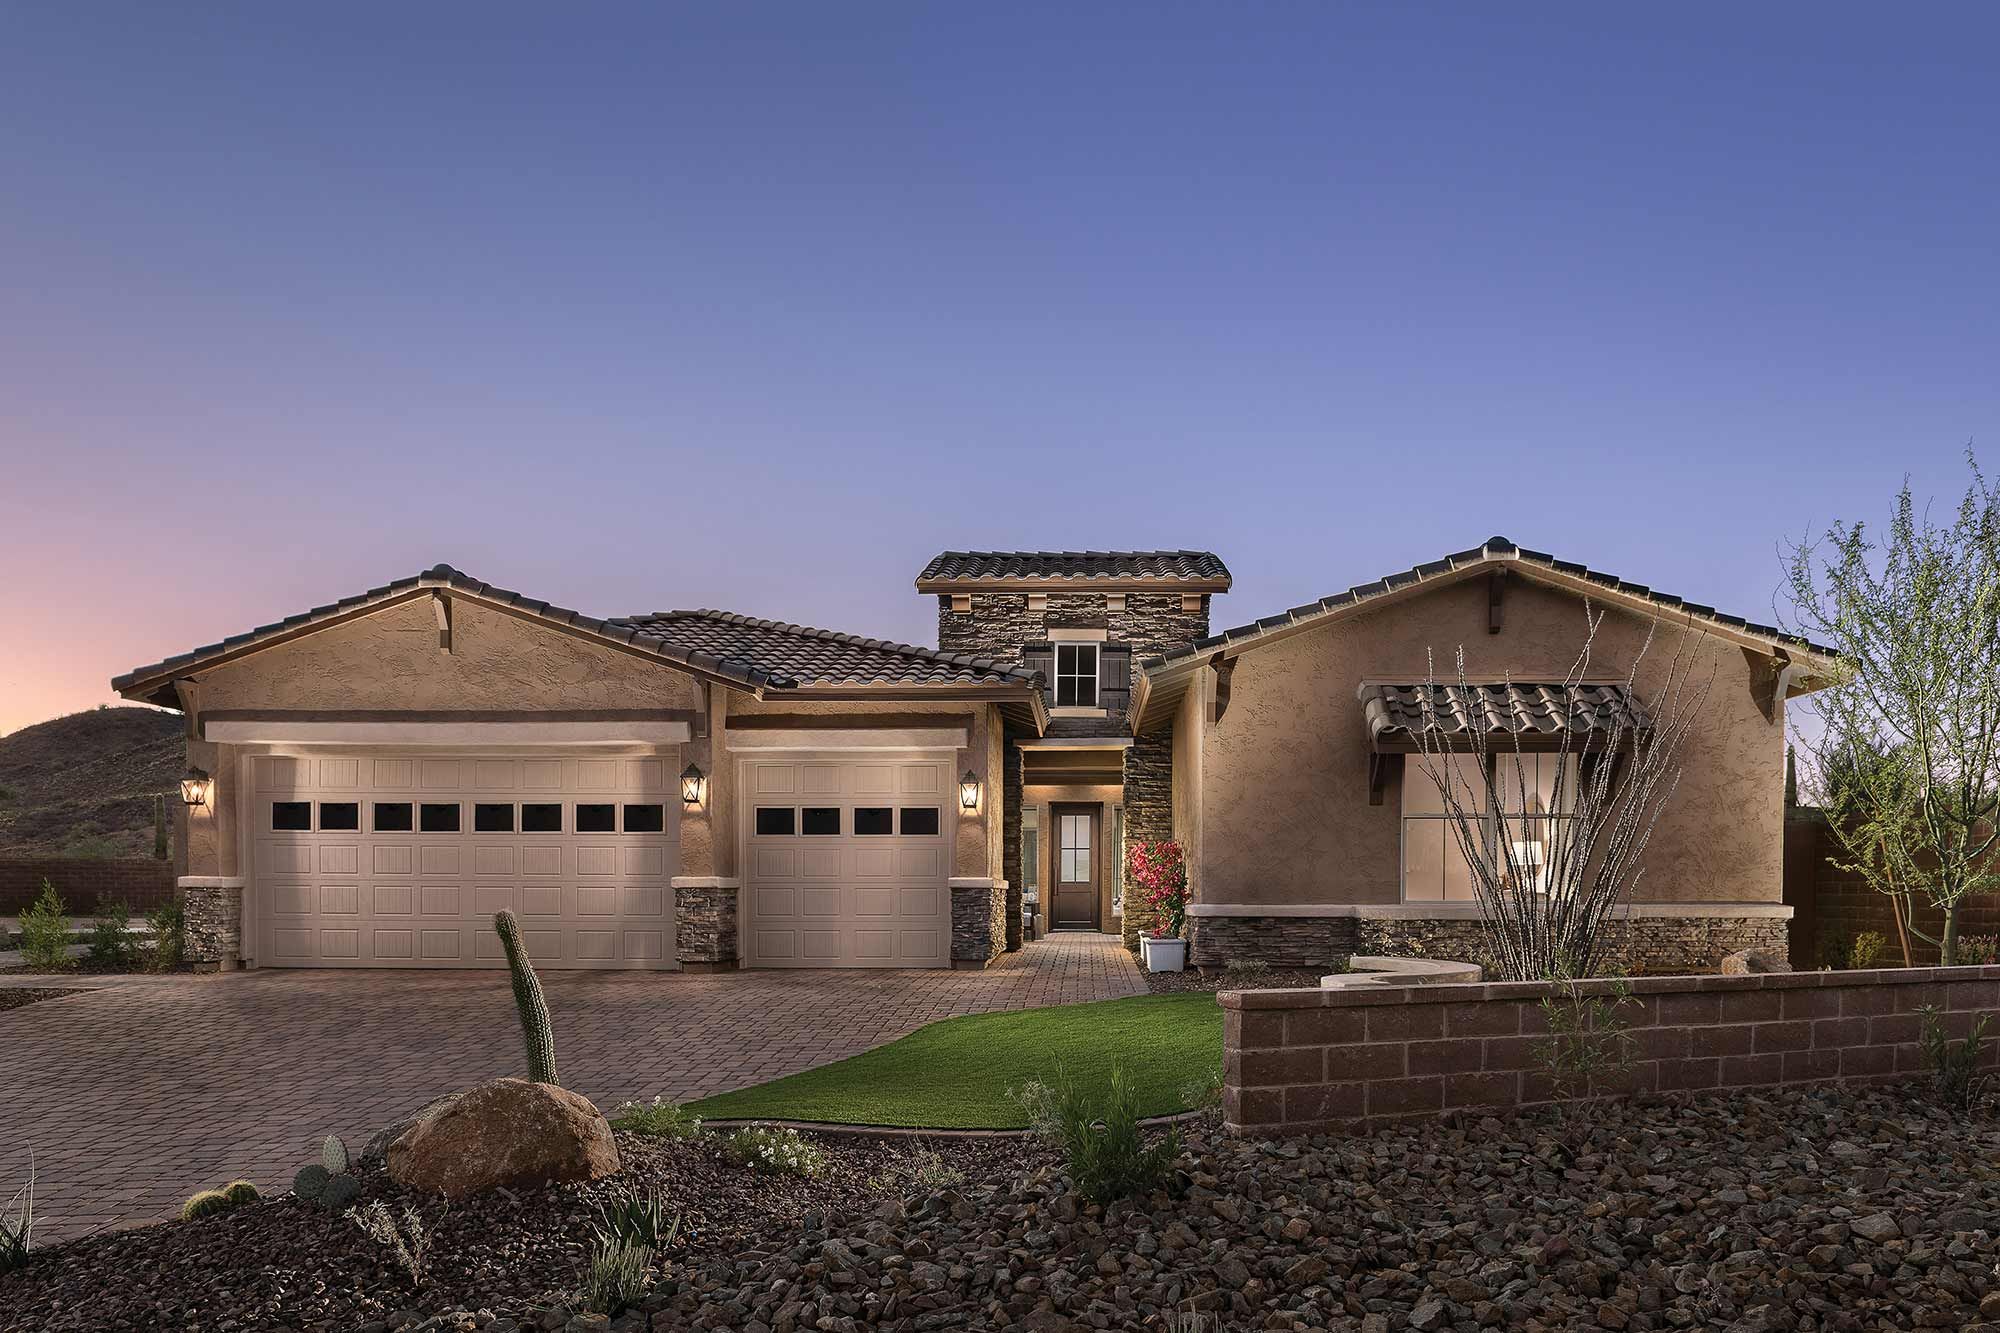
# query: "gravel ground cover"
[1219,979]
[13,997]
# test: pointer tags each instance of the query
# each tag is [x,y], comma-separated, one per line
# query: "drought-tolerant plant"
[167,925]
[534,1010]
[328,1182]
[658,1118]
[159,828]
[1099,1135]
[1589,1042]
[110,939]
[409,1240]
[1247,967]
[637,1219]
[1955,1074]
[621,1273]
[1866,949]
[45,932]
[1978,950]
[242,1191]
[923,1171]
[206,1203]
[774,1150]
[17,1233]
[1157,873]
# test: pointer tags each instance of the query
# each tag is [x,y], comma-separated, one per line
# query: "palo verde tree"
[1905,744]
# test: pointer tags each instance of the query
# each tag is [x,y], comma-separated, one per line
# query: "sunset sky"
[758,307]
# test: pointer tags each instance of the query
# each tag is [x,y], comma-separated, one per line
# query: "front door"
[1076,866]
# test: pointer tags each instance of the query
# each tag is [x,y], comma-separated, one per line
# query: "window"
[645,818]
[1031,852]
[1073,849]
[339,815]
[1536,796]
[874,820]
[596,819]
[292,816]
[920,820]
[541,817]
[438,817]
[393,816]
[492,818]
[776,821]
[820,821]
[1076,675]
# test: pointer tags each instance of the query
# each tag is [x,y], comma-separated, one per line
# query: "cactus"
[205,1204]
[339,1192]
[242,1191]
[311,1181]
[333,1155]
[535,1029]
[159,828]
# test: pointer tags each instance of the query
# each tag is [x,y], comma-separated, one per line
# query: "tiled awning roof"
[805,656]
[1529,712]
[1196,570]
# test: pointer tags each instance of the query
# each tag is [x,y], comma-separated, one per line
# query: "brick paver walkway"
[139,1093]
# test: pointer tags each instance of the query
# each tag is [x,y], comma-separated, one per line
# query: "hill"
[83,785]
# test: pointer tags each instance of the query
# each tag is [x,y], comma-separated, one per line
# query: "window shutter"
[1042,657]
[1114,677]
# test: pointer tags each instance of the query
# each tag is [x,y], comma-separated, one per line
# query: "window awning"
[1533,715]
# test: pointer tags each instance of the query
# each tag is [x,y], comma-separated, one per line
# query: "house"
[372,779]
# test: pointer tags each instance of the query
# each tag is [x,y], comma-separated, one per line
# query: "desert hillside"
[83,785]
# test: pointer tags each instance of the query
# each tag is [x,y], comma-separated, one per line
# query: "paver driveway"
[137,1094]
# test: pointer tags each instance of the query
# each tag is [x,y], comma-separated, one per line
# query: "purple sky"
[759,306]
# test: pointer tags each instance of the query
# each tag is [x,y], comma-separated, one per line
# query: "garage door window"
[541,817]
[776,821]
[645,818]
[820,821]
[393,816]
[438,817]
[292,816]
[920,819]
[596,818]
[339,816]
[492,818]
[874,821]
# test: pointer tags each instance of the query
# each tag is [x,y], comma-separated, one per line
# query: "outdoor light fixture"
[692,785]
[194,787]
[968,790]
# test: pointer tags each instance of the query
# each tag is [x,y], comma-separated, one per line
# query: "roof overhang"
[1024,705]
[1509,715]
[1074,583]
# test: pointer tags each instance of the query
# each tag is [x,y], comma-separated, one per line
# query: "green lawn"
[955,1074]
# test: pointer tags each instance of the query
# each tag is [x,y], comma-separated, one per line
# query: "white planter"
[1164,955]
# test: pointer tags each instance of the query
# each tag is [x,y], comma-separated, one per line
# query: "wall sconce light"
[195,787]
[693,785]
[968,790]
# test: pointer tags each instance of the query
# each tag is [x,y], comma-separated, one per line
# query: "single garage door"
[847,863]
[401,860]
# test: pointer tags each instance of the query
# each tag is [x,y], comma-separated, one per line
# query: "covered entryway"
[847,861]
[400,859]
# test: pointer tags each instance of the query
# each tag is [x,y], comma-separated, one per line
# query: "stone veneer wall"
[214,930]
[1149,813]
[1318,1061]
[705,927]
[978,924]
[1012,777]
[1642,946]
[1281,941]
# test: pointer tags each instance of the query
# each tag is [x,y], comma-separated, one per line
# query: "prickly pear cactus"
[333,1155]
[311,1181]
[534,1010]
[339,1192]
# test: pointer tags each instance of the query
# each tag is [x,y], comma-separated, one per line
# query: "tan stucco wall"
[210,838]
[1284,814]
[1189,724]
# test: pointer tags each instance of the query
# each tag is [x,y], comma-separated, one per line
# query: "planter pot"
[1165,955]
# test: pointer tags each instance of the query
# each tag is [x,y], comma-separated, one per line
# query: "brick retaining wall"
[1313,1061]
[140,883]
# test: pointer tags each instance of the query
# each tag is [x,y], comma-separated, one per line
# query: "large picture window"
[1076,675]
[1434,865]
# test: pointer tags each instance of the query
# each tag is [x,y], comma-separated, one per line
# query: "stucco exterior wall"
[1189,724]
[1284,816]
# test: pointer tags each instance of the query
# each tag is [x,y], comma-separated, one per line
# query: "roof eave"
[1077,582]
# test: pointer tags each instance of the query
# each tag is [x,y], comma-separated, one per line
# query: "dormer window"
[1076,675]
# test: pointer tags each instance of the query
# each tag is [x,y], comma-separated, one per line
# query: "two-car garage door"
[401,860]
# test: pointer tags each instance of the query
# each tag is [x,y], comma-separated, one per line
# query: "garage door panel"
[820,946]
[820,903]
[775,863]
[822,863]
[877,946]
[403,897]
[874,863]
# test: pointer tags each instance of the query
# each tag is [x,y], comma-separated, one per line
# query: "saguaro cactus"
[534,1010]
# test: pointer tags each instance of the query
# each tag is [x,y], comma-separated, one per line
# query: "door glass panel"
[1073,852]
[492,817]
[291,816]
[541,817]
[596,817]
[437,817]
[874,820]
[392,816]
[339,815]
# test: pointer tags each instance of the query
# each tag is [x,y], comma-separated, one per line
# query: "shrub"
[528,1002]
[1099,1135]
[168,943]
[207,1203]
[408,1241]
[1157,873]
[1589,1042]
[775,1150]
[17,1233]
[659,1118]
[923,1171]
[1247,967]
[110,941]
[620,1275]
[1956,1079]
[1979,950]
[633,1219]
[1868,946]
[45,932]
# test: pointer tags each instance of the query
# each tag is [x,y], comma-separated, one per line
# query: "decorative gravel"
[13,997]
[1216,979]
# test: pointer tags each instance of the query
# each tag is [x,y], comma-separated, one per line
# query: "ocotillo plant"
[535,1029]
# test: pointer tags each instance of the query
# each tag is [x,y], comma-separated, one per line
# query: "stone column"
[705,923]
[978,925]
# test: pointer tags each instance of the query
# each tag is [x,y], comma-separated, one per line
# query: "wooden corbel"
[1770,677]
[1382,769]
[189,695]
[1224,667]
[1494,583]
[441,606]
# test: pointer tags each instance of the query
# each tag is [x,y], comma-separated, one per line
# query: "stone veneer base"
[705,927]
[214,931]
[978,922]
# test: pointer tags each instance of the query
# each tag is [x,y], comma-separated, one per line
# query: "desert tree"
[1904,744]
[1552,791]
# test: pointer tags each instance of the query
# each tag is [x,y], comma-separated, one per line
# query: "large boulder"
[1750,962]
[378,1142]
[507,1132]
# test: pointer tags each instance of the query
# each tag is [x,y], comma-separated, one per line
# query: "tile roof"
[807,656]
[1111,567]
[1497,550]
[1511,709]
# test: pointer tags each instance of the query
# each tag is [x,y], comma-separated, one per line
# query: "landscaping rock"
[1750,962]
[508,1132]
[378,1142]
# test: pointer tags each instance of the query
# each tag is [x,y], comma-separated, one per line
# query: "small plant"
[658,1118]
[333,1155]
[634,1219]
[1979,950]
[1099,1135]
[1157,873]
[45,932]
[1868,946]
[17,1233]
[242,1192]
[534,1010]
[1955,1076]
[621,1273]
[110,938]
[159,828]
[775,1150]
[327,1182]
[409,1240]
[1342,963]
[923,1171]
[207,1203]
[167,924]
[1589,1042]
[1247,967]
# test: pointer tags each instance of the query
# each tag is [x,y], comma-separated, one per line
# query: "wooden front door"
[1075,865]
